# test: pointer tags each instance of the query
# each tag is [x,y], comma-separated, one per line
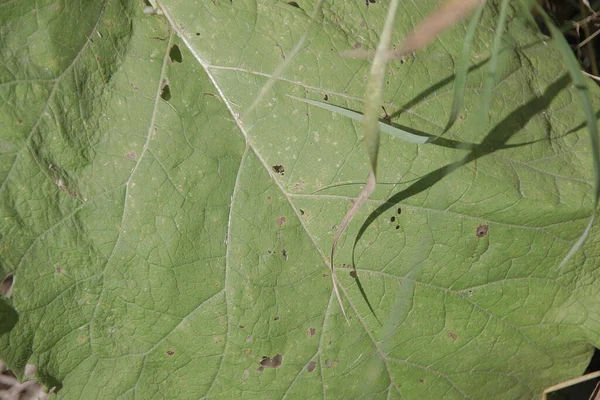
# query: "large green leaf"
[161,246]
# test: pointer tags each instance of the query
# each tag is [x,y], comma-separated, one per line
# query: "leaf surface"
[161,245]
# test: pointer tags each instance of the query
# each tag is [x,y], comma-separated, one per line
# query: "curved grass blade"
[580,84]
[383,127]
[462,68]
[493,68]
[285,64]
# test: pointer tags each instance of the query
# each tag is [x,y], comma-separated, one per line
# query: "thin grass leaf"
[462,69]
[490,80]
[285,64]
[580,84]
[383,127]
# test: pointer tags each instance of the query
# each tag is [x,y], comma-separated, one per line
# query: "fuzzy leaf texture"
[161,245]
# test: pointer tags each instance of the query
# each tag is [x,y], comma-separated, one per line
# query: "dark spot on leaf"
[197,33]
[175,54]
[170,352]
[312,331]
[279,169]
[268,362]
[397,226]
[301,212]
[280,221]
[165,94]
[310,367]
[356,45]
[59,270]
[147,3]
[325,275]
[452,335]
[393,219]
[276,318]
[326,98]
[353,274]
[399,211]
[294,4]
[482,230]
[328,363]
[285,254]
[242,326]
[461,117]
[20,121]
[421,380]
[7,285]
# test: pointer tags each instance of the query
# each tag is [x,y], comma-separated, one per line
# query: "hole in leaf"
[326,98]
[397,226]
[399,211]
[165,94]
[276,318]
[301,212]
[7,285]
[353,274]
[197,33]
[311,366]
[482,230]
[393,219]
[268,362]
[175,54]
[279,169]
[294,4]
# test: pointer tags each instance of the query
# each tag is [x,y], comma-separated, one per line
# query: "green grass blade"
[580,84]
[462,68]
[285,64]
[383,127]
[493,66]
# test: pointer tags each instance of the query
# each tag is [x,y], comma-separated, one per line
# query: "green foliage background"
[157,252]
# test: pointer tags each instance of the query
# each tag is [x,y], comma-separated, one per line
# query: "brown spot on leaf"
[131,155]
[357,45]
[279,169]
[242,326]
[7,285]
[170,352]
[452,335]
[353,274]
[248,338]
[325,275]
[276,318]
[246,374]
[59,270]
[310,367]
[312,331]
[328,363]
[268,362]
[280,221]
[482,230]
[421,380]
[20,121]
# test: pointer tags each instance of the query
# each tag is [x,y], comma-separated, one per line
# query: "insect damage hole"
[165,93]
[279,169]
[175,54]
[7,285]
[482,230]
[268,362]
